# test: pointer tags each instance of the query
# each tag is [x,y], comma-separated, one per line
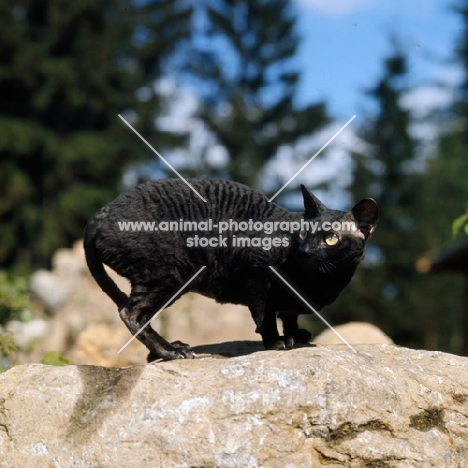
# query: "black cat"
[158,263]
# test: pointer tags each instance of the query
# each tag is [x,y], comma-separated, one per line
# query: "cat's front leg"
[291,328]
[263,312]
[265,318]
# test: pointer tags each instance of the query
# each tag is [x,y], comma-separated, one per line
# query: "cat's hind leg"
[136,312]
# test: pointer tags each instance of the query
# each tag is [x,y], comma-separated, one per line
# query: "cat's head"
[335,239]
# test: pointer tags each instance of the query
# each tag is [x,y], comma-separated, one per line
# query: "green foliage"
[13,297]
[387,290]
[383,288]
[417,209]
[444,191]
[7,347]
[54,358]
[460,225]
[247,71]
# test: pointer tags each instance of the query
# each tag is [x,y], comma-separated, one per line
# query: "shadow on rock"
[235,348]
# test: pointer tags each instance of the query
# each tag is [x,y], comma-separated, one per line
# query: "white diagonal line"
[313,157]
[157,154]
[312,309]
[163,307]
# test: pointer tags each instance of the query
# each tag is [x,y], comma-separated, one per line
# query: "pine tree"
[384,289]
[417,209]
[67,69]
[249,82]
[444,197]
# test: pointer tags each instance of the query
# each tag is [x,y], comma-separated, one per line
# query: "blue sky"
[343,46]
[344,42]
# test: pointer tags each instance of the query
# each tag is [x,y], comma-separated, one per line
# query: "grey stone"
[49,289]
[317,406]
[25,332]
[66,263]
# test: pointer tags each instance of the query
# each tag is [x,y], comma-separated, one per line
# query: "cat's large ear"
[366,215]
[313,206]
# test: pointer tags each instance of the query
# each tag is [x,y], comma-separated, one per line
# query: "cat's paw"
[302,336]
[179,351]
[283,342]
[183,350]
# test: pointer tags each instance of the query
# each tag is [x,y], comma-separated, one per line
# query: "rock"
[193,319]
[198,320]
[26,332]
[51,290]
[78,250]
[55,338]
[99,344]
[67,263]
[354,333]
[383,407]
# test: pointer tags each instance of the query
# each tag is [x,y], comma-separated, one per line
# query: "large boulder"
[383,406]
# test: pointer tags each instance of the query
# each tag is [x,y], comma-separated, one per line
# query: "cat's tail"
[96,267]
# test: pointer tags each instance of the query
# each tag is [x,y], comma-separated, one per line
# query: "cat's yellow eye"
[303,235]
[331,239]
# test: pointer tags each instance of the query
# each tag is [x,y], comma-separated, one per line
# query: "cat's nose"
[305,247]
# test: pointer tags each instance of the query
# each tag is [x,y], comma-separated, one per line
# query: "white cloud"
[423,102]
[425,99]
[449,75]
[335,7]
[180,117]
[332,165]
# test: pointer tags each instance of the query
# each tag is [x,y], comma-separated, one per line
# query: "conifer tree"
[67,69]
[444,197]
[383,290]
[418,200]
